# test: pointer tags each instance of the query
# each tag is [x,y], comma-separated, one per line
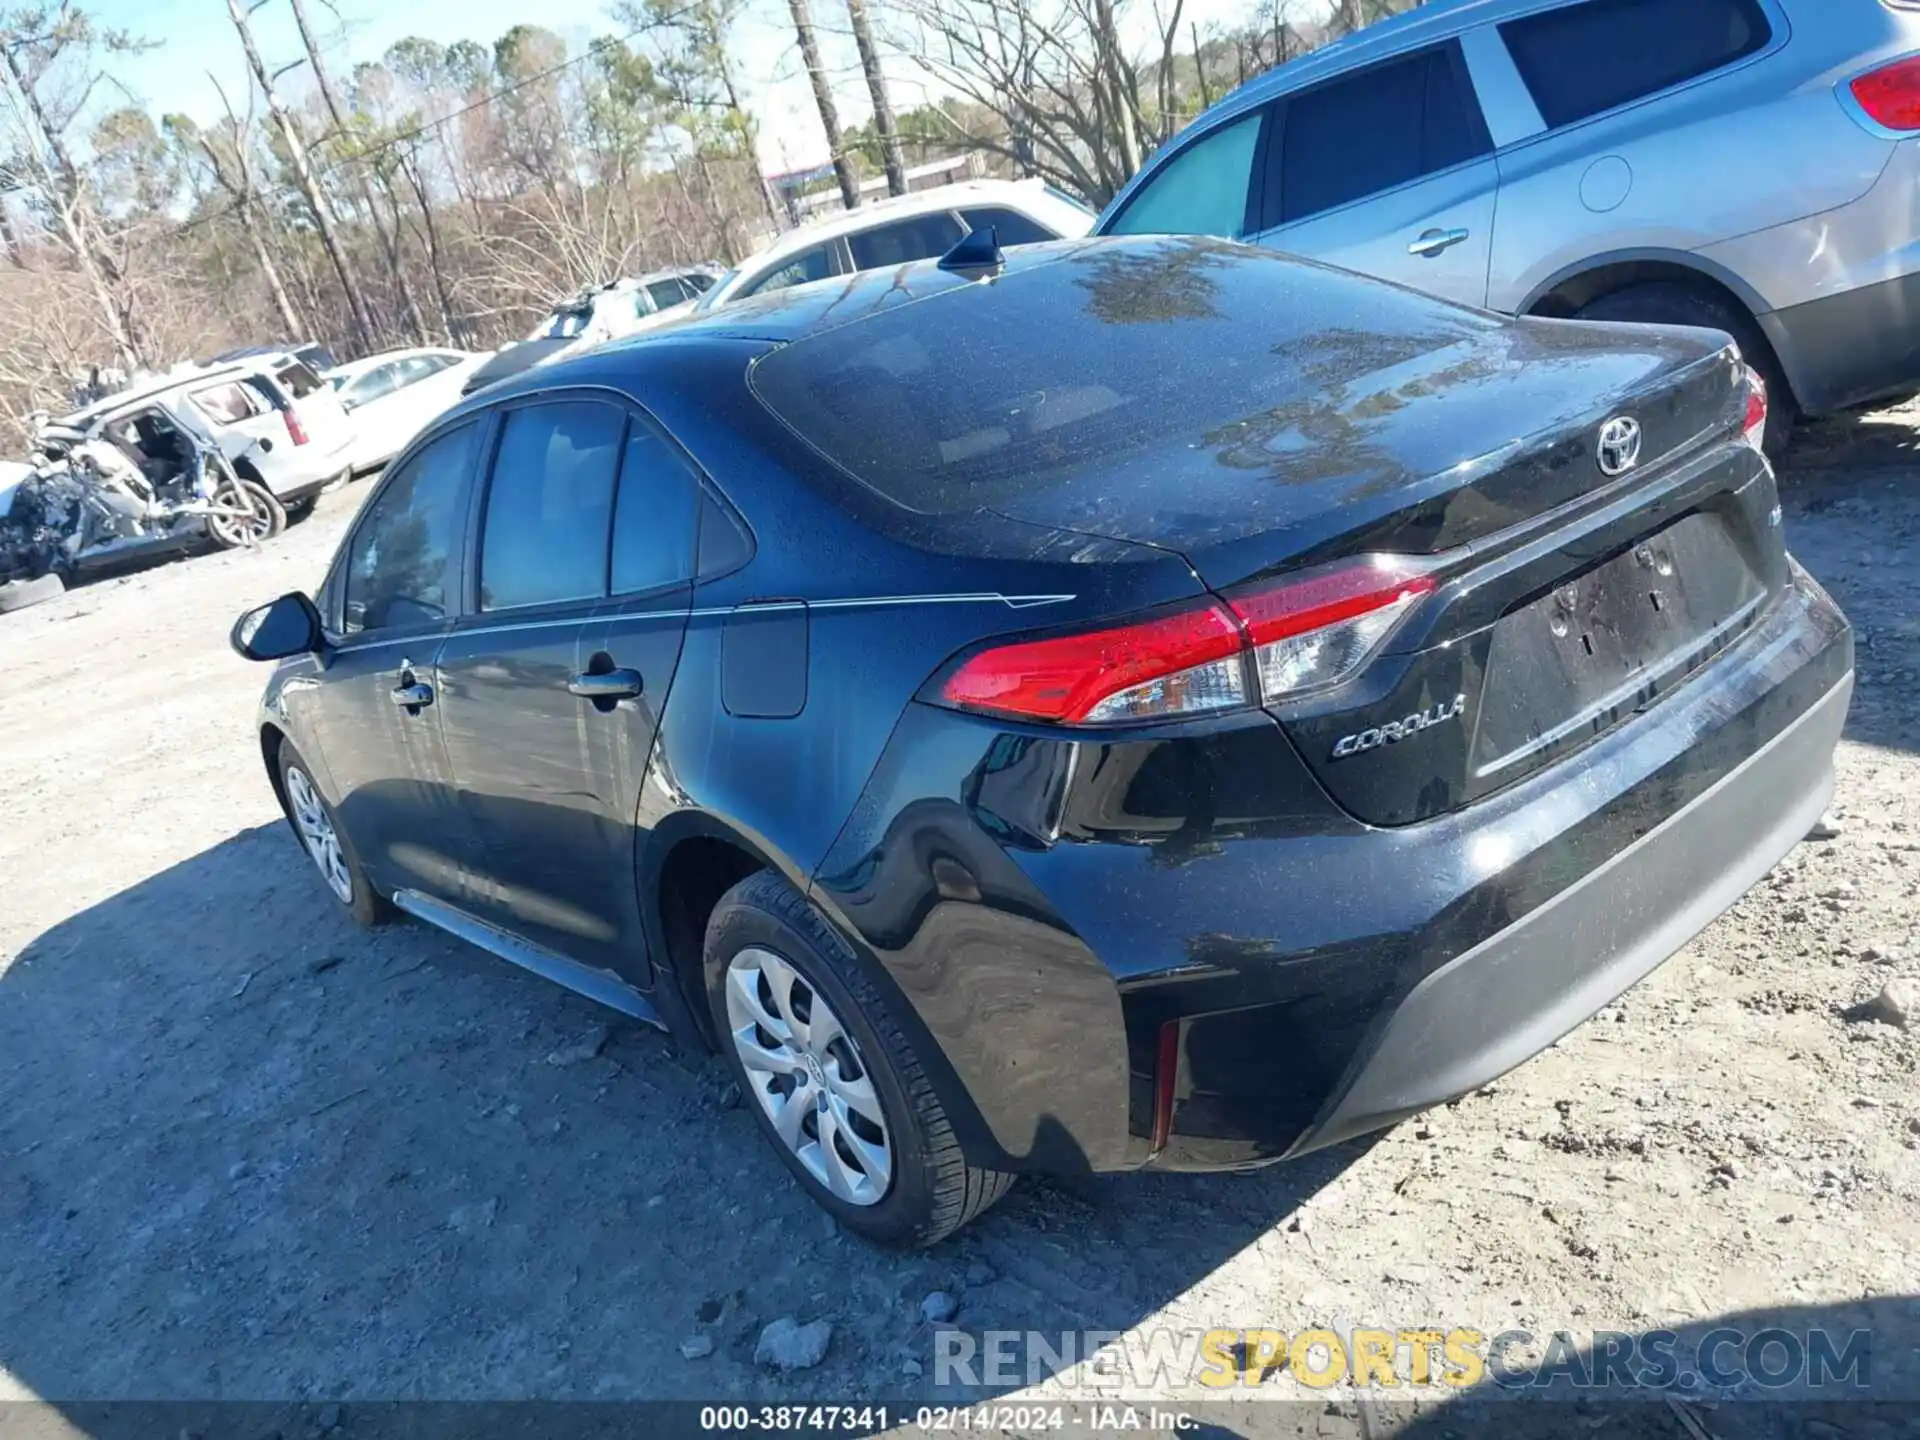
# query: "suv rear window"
[297,380]
[1582,59]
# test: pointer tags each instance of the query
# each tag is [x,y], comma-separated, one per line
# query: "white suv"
[913,227]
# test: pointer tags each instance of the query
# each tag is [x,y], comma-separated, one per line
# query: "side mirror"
[288,626]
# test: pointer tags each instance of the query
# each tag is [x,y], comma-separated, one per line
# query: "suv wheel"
[261,516]
[829,1073]
[326,843]
[1670,302]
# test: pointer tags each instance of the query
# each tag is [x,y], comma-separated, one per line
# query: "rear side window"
[1372,131]
[378,381]
[400,564]
[549,505]
[654,519]
[228,404]
[922,238]
[1010,227]
[1201,191]
[1582,59]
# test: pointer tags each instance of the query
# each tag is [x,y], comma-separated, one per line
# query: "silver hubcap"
[239,529]
[316,830]
[809,1076]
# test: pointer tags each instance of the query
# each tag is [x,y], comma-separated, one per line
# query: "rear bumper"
[1515,993]
[1851,347]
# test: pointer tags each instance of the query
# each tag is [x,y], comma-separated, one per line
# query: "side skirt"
[596,984]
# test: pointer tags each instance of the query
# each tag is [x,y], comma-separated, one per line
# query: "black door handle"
[611,685]
[411,696]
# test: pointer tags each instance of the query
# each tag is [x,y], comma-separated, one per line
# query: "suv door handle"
[612,685]
[1432,242]
[412,696]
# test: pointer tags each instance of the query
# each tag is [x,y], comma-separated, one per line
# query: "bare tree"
[802,13]
[317,202]
[884,125]
[33,43]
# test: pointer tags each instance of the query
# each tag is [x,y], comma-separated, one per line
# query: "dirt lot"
[249,1151]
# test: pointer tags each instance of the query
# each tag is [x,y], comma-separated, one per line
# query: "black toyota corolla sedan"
[1139,703]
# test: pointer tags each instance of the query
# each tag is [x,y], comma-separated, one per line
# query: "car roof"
[352,369]
[162,386]
[879,212]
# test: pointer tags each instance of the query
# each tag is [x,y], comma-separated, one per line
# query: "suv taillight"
[296,432]
[1891,94]
[1264,643]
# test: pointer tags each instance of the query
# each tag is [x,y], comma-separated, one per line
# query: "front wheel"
[326,843]
[250,515]
[829,1073]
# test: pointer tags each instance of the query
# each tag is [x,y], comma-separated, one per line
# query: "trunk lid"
[1259,416]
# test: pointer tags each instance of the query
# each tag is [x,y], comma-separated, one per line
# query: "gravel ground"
[248,1151]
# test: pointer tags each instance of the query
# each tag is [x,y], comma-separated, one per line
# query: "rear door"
[550,692]
[389,605]
[1388,171]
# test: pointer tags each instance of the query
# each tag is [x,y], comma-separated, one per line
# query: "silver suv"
[1749,165]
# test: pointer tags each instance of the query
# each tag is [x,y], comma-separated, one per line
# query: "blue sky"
[196,37]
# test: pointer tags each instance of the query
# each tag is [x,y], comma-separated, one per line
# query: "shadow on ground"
[253,1152]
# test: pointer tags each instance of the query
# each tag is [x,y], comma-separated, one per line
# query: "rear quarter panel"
[1760,144]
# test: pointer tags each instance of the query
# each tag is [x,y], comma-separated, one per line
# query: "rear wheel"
[829,1073]
[326,843]
[255,516]
[1671,302]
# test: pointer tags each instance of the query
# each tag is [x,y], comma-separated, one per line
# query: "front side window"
[924,237]
[403,558]
[1582,59]
[375,383]
[1201,191]
[653,524]
[807,266]
[1369,132]
[666,293]
[549,505]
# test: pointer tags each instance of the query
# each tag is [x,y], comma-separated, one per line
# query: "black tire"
[366,905]
[1672,302]
[19,594]
[934,1191]
[264,504]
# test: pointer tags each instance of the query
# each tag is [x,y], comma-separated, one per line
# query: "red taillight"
[1166,1071]
[296,432]
[1891,94]
[1190,661]
[1754,428]
[1304,633]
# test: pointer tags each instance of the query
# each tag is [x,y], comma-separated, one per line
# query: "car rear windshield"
[1098,357]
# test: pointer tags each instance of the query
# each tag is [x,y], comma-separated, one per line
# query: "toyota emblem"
[1619,445]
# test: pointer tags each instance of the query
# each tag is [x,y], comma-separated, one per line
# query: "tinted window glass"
[371,386]
[666,293]
[1372,131]
[653,523]
[698,282]
[925,237]
[722,543]
[1010,226]
[1586,58]
[1200,191]
[814,264]
[401,565]
[1186,351]
[549,504]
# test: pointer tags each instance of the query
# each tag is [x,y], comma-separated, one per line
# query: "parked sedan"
[1140,703]
[392,397]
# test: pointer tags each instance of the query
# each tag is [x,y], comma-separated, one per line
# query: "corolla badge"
[1619,448]
[1394,731]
